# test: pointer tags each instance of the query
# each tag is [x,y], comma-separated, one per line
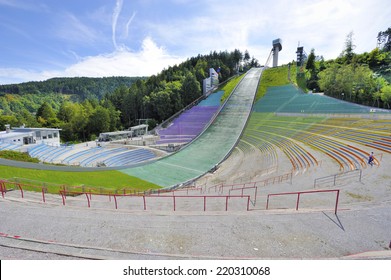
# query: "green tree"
[161,104]
[348,53]
[45,111]
[113,114]
[99,121]
[386,95]
[348,81]
[312,80]
[191,89]
[25,117]
[7,119]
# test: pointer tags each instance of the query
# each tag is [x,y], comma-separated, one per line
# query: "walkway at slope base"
[211,147]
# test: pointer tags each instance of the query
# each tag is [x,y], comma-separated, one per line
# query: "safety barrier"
[333,178]
[15,185]
[304,192]
[144,198]
[79,194]
[263,183]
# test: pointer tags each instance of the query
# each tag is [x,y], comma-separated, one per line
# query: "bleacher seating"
[9,146]
[100,155]
[325,134]
[129,157]
[90,156]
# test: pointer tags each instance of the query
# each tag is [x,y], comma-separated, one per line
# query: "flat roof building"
[27,135]
[135,131]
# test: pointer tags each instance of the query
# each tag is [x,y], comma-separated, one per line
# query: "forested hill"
[80,88]
[85,107]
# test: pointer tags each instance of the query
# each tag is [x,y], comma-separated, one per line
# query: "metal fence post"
[88,200]
[21,190]
[2,187]
[336,202]
[115,200]
[267,202]
[43,195]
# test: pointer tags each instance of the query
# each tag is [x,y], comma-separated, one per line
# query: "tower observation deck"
[276,48]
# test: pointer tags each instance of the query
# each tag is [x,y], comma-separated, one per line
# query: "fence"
[263,183]
[6,186]
[304,192]
[357,173]
[145,198]
[79,196]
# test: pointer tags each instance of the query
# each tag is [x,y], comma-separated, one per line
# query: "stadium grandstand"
[285,152]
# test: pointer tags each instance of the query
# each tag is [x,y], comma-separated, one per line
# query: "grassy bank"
[108,180]
[277,76]
[18,156]
[229,87]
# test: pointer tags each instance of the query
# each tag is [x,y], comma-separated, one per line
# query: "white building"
[27,136]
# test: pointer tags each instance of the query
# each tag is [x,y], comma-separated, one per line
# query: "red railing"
[4,183]
[270,181]
[174,198]
[304,192]
[241,190]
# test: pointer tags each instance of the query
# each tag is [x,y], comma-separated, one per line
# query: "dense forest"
[359,78]
[84,107]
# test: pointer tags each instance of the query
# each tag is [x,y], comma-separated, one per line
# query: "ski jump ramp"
[211,147]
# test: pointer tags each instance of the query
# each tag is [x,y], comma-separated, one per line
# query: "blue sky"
[41,39]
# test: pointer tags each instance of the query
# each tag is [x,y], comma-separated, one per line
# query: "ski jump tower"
[276,48]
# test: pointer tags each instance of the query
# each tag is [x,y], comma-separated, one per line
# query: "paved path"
[113,234]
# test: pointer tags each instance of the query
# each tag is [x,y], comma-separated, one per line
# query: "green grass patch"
[277,76]
[106,181]
[229,87]
[18,156]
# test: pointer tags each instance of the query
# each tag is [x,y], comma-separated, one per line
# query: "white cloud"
[123,62]
[252,25]
[211,25]
[150,60]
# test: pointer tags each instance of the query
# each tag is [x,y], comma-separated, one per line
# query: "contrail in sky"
[116,12]
[128,23]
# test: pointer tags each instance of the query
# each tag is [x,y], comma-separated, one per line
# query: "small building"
[28,136]
[134,131]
